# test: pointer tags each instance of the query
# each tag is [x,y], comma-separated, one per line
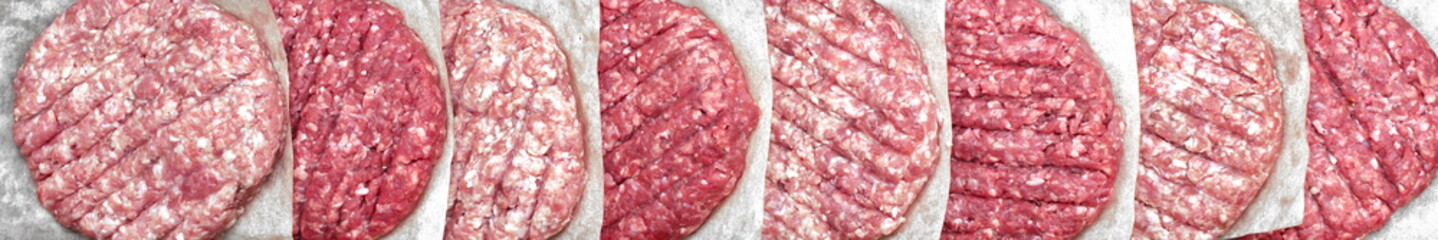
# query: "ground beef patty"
[147,120]
[1211,118]
[855,136]
[518,166]
[367,113]
[1371,146]
[676,116]
[1037,136]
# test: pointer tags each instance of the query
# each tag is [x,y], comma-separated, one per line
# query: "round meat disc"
[368,116]
[518,168]
[1037,134]
[148,119]
[856,130]
[1212,118]
[676,117]
[1359,175]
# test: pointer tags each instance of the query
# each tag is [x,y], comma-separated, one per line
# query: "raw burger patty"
[855,136]
[518,167]
[146,121]
[1037,136]
[1211,118]
[676,117]
[1370,137]
[368,116]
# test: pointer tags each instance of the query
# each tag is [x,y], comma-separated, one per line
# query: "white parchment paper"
[1107,28]
[1280,203]
[925,21]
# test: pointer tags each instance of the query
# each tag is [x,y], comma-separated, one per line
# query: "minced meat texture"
[1037,134]
[518,168]
[676,116]
[147,120]
[1212,118]
[855,133]
[367,116]
[1370,124]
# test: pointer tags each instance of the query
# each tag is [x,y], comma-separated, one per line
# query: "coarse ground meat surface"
[368,116]
[147,119]
[1211,118]
[855,135]
[676,117]
[518,168]
[1037,136]
[1370,118]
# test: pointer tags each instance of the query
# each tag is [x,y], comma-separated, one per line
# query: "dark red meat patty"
[676,116]
[1371,113]
[855,136]
[1037,136]
[518,168]
[368,116]
[1211,118]
[147,119]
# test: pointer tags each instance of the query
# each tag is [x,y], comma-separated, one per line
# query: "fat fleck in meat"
[518,168]
[1211,118]
[1037,136]
[147,119]
[855,136]
[676,117]
[368,116]
[1370,118]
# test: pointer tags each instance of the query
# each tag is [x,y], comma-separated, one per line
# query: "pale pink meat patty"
[518,168]
[1212,118]
[148,119]
[856,129]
